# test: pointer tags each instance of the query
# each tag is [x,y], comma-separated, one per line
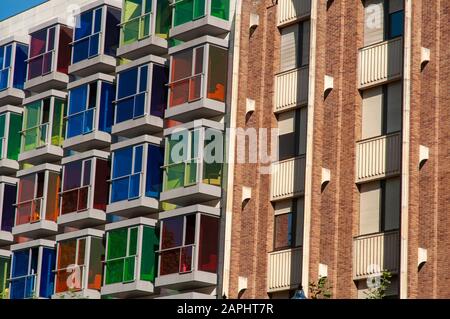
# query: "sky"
[9,8]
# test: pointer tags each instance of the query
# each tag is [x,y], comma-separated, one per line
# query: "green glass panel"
[191,172]
[132,9]
[220,9]
[163,19]
[32,120]
[15,126]
[58,122]
[145,26]
[114,271]
[150,244]
[130,30]
[128,274]
[2,135]
[174,176]
[4,275]
[117,243]
[212,173]
[132,244]
[199,9]
[183,12]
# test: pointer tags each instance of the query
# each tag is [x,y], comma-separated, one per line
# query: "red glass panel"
[83,194]
[101,185]
[64,49]
[208,245]
[179,93]
[195,90]
[170,261]
[54,181]
[190,230]
[181,65]
[186,259]
[38,43]
[69,202]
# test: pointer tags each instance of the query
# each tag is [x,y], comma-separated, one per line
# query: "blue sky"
[9,8]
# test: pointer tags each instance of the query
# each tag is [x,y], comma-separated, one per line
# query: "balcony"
[187,296]
[32,270]
[5,264]
[49,56]
[291,89]
[96,38]
[136,177]
[79,264]
[192,19]
[13,57]
[198,81]
[144,29]
[37,201]
[43,123]
[141,97]
[196,175]
[288,178]
[84,188]
[378,157]
[285,269]
[90,113]
[130,266]
[380,63]
[374,253]
[290,11]
[10,128]
[8,191]
[188,253]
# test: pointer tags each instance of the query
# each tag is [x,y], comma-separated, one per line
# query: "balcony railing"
[374,253]
[35,137]
[121,269]
[70,279]
[30,211]
[75,200]
[291,89]
[378,157]
[288,178]
[136,28]
[285,269]
[381,62]
[25,284]
[41,64]
[291,10]
[178,260]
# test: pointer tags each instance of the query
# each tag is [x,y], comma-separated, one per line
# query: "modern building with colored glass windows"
[208,149]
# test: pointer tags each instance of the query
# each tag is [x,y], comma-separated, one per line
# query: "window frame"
[294,212]
[41,124]
[141,20]
[84,268]
[30,272]
[42,200]
[10,67]
[54,57]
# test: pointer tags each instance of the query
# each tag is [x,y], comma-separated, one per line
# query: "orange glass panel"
[54,182]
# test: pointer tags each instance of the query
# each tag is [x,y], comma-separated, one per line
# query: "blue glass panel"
[112,35]
[119,190]
[20,263]
[84,25]
[396,24]
[159,90]
[138,151]
[122,162]
[47,276]
[8,53]
[143,80]
[127,83]
[81,50]
[134,186]
[155,160]
[75,125]
[4,76]
[20,70]
[139,105]
[124,110]
[78,99]
[94,45]
[98,20]
[88,121]
[106,107]
[34,260]
[2,56]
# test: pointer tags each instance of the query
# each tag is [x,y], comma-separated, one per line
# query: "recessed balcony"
[42,132]
[136,180]
[192,19]
[13,57]
[10,128]
[5,269]
[144,29]
[198,79]
[291,11]
[32,268]
[37,201]
[96,37]
[49,56]
[84,192]
[285,269]
[374,253]
[90,113]
[381,63]
[288,178]
[130,265]
[79,264]
[8,191]
[188,253]
[378,157]
[192,169]
[141,97]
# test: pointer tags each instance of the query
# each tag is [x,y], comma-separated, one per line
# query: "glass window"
[127,171]
[87,35]
[150,244]
[20,70]
[137,17]
[188,10]
[3,141]
[24,274]
[58,124]
[29,206]
[4,276]
[42,47]
[396,24]
[8,209]
[208,243]
[132,94]
[121,255]
[76,186]
[71,267]
[217,73]
[14,136]
[82,107]
[284,231]
[5,66]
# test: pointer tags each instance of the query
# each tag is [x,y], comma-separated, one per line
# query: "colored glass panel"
[47,282]
[23,274]
[15,127]
[8,209]
[188,10]
[95,264]
[4,275]
[208,244]
[217,75]
[87,35]
[150,245]
[20,69]
[58,125]
[3,142]
[220,9]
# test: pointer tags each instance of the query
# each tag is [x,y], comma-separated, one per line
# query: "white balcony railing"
[378,157]
[291,10]
[374,253]
[291,89]
[381,62]
[285,269]
[288,178]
